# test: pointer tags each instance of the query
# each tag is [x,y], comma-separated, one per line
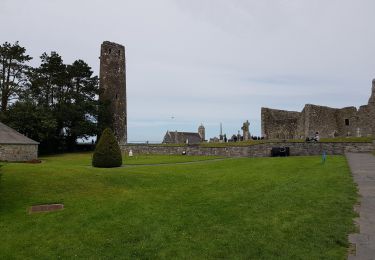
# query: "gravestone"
[46,208]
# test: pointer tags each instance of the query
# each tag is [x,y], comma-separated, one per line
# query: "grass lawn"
[165,159]
[85,159]
[265,208]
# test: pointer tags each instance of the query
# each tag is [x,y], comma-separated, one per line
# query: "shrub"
[107,152]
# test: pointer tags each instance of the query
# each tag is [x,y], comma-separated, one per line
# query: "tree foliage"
[57,103]
[107,152]
[13,69]
[32,120]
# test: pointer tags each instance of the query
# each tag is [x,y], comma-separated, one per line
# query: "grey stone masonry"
[259,150]
[372,97]
[15,147]
[113,87]
[328,122]
[18,152]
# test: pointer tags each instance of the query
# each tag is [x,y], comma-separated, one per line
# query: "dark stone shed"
[15,147]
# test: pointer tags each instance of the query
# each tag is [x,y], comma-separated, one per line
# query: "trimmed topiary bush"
[107,152]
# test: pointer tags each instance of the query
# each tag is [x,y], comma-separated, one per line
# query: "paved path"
[362,166]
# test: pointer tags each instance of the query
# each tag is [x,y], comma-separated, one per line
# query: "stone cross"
[245,130]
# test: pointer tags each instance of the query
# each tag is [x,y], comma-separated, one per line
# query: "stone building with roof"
[15,147]
[175,137]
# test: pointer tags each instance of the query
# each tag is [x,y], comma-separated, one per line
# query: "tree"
[70,93]
[36,122]
[56,103]
[13,69]
[107,152]
[78,109]
[49,80]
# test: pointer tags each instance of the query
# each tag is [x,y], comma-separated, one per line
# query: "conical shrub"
[107,152]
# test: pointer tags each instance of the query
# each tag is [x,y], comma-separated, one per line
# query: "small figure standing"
[324,157]
[131,153]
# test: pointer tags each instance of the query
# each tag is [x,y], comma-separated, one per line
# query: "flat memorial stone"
[46,208]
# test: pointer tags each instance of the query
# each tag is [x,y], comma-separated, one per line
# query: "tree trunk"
[4,102]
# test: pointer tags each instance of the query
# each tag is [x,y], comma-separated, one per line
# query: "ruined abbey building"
[112,88]
[328,122]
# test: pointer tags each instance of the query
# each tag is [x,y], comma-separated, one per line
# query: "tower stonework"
[202,132]
[372,98]
[113,88]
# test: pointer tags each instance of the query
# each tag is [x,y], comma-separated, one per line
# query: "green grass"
[85,159]
[266,208]
[165,159]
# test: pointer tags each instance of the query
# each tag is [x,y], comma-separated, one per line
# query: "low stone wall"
[18,152]
[260,150]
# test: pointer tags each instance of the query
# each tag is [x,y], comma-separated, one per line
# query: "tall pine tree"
[13,69]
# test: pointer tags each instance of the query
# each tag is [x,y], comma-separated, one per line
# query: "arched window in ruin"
[347,122]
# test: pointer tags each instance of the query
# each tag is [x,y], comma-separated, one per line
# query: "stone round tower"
[202,132]
[372,98]
[112,88]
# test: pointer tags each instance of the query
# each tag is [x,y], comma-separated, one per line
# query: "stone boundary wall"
[260,150]
[18,152]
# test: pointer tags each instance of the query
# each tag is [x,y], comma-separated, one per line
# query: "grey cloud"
[211,61]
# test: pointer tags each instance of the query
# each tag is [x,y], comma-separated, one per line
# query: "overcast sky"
[210,61]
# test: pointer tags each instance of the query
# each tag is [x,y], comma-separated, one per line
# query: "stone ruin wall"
[259,150]
[366,119]
[366,115]
[329,122]
[18,152]
[279,124]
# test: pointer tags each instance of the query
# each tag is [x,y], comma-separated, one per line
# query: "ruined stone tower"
[202,132]
[372,98]
[113,89]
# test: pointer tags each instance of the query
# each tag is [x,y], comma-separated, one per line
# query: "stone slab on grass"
[46,208]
